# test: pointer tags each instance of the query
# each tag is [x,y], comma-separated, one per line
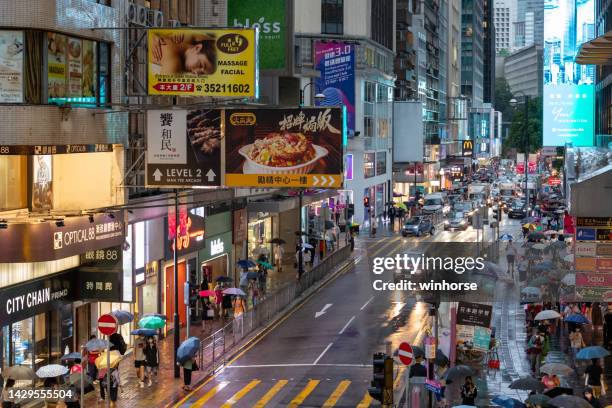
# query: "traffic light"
[366,201]
[381,388]
[497,214]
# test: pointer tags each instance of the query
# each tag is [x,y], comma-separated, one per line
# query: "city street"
[312,361]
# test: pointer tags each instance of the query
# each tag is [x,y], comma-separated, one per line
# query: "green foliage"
[516,135]
[503,94]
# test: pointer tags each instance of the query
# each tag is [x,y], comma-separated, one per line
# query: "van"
[433,203]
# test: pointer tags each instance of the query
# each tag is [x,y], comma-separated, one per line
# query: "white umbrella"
[531,291]
[234,291]
[539,246]
[551,232]
[51,370]
[569,258]
[547,315]
[569,279]
[307,245]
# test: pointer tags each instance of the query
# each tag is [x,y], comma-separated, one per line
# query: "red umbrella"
[206,293]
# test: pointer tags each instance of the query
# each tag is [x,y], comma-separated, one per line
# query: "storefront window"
[260,234]
[18,344]
[380,190]
[13,181]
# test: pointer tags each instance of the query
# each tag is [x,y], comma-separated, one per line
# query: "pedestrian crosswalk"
[291,393]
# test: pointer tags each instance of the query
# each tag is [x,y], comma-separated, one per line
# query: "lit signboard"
[568,100]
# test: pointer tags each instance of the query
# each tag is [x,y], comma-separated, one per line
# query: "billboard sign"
[407,132]
[202,62]
[284,147]
[183,148]
[336,63]
[569,91]
[42,182]
[467,148]
[268,16]
[11,66]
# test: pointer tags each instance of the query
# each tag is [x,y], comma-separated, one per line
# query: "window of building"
[368,165]
[381,163]
[332,16]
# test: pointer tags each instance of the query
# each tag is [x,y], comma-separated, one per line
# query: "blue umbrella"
[122,316]
[143,332]
[577,318]
[71,356]
[246,263]
[588,353]
[506,237]
[507,402]
[188,349]
[96,345]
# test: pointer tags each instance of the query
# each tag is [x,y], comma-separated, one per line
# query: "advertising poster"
[336,63]
[284,147]
[569,94]
[268,16]
[475,314]
[75,67]
[11,66]
[88,69]
[56,65]
[42,182]
[184,148]
[202,62]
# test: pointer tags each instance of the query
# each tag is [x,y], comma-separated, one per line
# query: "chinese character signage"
[184,148]
[336,63]
[284,147]
[268,16]
[104,286]
[569,90]
[474,314]
[202,62]
[11,66]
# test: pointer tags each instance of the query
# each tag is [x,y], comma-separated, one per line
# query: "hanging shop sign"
[586,234]
[101,286]
[591,279]
[269,17]
[217,245]
[474,314]
[467,148]
[202,62]
[284,147]
[183,148]
[585,249]
[48,241]
[603,249]
[189,234]
[11,66]
[594,221]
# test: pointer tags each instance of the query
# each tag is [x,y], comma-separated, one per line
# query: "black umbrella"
[459,371]
[555,392]
[569,401]
[252,275]
[277,241]
[527,384]
[538,399]
[329,225]
[224,279]
[76,378]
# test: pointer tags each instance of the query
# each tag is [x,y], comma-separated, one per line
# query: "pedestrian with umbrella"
[185,355]
[139,358]
[469,392]
[594,378]
[534,350]
[92,351]
[151,353]
[208,314]
[576,343]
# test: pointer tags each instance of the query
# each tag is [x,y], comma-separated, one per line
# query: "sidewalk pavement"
[166,389]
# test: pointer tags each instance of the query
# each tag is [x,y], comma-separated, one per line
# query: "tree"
[503,94]
[516,135]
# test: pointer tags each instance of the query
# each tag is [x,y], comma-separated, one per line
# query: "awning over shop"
[598,51]
[278,204]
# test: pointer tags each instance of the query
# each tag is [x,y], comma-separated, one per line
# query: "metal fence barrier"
[213,348]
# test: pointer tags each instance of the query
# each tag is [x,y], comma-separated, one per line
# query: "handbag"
[494,363]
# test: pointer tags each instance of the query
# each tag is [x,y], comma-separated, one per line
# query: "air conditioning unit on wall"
[156,18]
[137,14]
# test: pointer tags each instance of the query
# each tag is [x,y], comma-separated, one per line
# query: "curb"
[305,297]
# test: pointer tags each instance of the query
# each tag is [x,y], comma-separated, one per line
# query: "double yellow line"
[206,397]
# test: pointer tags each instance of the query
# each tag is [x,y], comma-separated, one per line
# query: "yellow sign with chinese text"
[202,62]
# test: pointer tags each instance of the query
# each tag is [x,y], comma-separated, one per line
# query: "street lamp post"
[514,102]
[317,97]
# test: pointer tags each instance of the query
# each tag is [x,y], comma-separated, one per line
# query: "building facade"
[472,51]
[504,19]
[489,52]
[524,70]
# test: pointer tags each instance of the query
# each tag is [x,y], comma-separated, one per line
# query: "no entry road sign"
[107,324]
[405,354]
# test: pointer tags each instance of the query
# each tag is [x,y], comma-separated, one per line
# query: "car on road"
[418,225]
[457,221]
[517,210]
[433,203]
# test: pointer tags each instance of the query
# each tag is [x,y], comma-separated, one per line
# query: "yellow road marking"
[209,395]
[335,396]
[312,384]
[298,307]
[236,397]
[366,401]
[270,394]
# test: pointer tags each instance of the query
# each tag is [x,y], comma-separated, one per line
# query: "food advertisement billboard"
[569,90]
[11,66]
[284,147]
[336,63]
[202,62]
[56,65]
[268,16]
[184,148]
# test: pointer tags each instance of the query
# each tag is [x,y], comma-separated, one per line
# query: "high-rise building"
[489,52]
[529,27]
[472,51]
[523,71]
[504,19]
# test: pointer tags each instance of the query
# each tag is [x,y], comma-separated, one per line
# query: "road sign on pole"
[107,324]
[405,354]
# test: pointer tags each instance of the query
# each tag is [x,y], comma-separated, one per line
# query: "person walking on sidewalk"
[139,359]
[594,378]
[151,353]
[576,343]
[469,392]
[115,386]
[587,394]
[188,365]
[92,355]
[511,254]
[208,314]
[534,350]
